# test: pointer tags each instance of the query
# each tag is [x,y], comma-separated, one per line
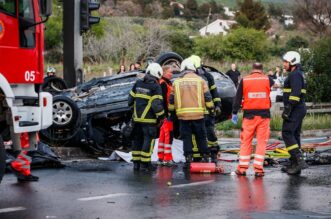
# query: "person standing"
[294,111]
[189,98]
[209,117]
[166,130]
[147,102]
[254,95]
[234,74]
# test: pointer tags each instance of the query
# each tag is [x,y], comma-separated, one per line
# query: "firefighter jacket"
[166,89]
[202,72]
[146,99]
[253,95]
[190,96]
[294,88]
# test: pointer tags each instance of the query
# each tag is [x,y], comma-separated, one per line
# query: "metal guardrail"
[319,108]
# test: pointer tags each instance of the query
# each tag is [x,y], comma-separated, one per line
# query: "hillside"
[232,3]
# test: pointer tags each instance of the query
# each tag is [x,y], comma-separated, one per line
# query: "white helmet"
[155,70]
[292,57]
[51,69]
[187,64]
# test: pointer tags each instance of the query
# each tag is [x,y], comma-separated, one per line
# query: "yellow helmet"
[196,60]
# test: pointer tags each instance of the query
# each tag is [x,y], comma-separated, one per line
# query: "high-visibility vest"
[168,89]
[256,91]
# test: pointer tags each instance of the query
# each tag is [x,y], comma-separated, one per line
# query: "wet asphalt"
[104,189]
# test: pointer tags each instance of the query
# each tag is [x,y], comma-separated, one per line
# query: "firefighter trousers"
[196,128]
[211,137]
[165,141]
[291,130]
[260,126]
[144,136]
[22,163]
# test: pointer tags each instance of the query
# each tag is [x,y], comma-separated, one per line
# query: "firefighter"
[189,98]
[51,72]
[147,102]
[209,117]
[294,111]
[254,95]
[166,130]
[21,166]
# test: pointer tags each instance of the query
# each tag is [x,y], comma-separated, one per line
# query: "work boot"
[28,178]
[213,156]
[136,166]
[240,173]
[205,158]
[148,167]
[169,163]
[259,174]
[297,166]
[160,162]
[188,160]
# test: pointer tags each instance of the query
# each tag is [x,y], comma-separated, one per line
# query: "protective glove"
[234,119]
[212,112]
[218,111]
[287,112]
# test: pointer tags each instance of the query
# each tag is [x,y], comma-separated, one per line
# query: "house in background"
[229,13]
[217,27]
[288,20]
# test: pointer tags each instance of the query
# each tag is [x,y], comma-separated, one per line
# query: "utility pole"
[76,20]
[72,43]
[209,14]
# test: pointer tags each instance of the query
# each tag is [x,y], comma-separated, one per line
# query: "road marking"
[102,197]
[6,210]
[192,184]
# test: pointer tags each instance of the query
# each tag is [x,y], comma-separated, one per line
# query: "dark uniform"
[294,101]
[146,99]
[209,119]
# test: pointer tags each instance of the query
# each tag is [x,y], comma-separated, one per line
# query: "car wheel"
[65,112]
[2,159]
[170,58]
[54,85]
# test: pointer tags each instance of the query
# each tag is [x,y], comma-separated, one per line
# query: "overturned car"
[92,114]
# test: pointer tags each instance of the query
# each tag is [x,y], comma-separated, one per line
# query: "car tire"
[169,58]
[2,159]
[54,85]
[65,112]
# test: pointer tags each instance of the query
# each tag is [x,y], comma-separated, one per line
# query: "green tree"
[275,11]
[180,43]
[246,44]
[297,42]
[210,47]
[53,32]
[319,72]
[252,15]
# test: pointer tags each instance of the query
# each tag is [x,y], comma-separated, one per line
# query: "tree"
[275,11]
[246,44]
[318,67]
[252,15]
[296,42]
[315,15]
[210,47]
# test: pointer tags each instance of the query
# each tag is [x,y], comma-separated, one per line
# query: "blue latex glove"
[234,119]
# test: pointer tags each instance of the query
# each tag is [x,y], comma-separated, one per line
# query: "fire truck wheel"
[2,158]
[65,112]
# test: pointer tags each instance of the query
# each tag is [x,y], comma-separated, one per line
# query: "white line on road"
[103,197]
[6,210]
[193,184]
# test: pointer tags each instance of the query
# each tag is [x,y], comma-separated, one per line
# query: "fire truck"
[23,107]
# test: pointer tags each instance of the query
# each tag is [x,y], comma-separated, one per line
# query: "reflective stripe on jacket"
[256,91]
[190,96]
[146,99]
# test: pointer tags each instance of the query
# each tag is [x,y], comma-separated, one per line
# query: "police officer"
[294,111]
[209,117]
[189,98]
[147,102]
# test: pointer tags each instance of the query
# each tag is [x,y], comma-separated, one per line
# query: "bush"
[297,42]
[246,44]
[180,43]
[210,47]
[319,79]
